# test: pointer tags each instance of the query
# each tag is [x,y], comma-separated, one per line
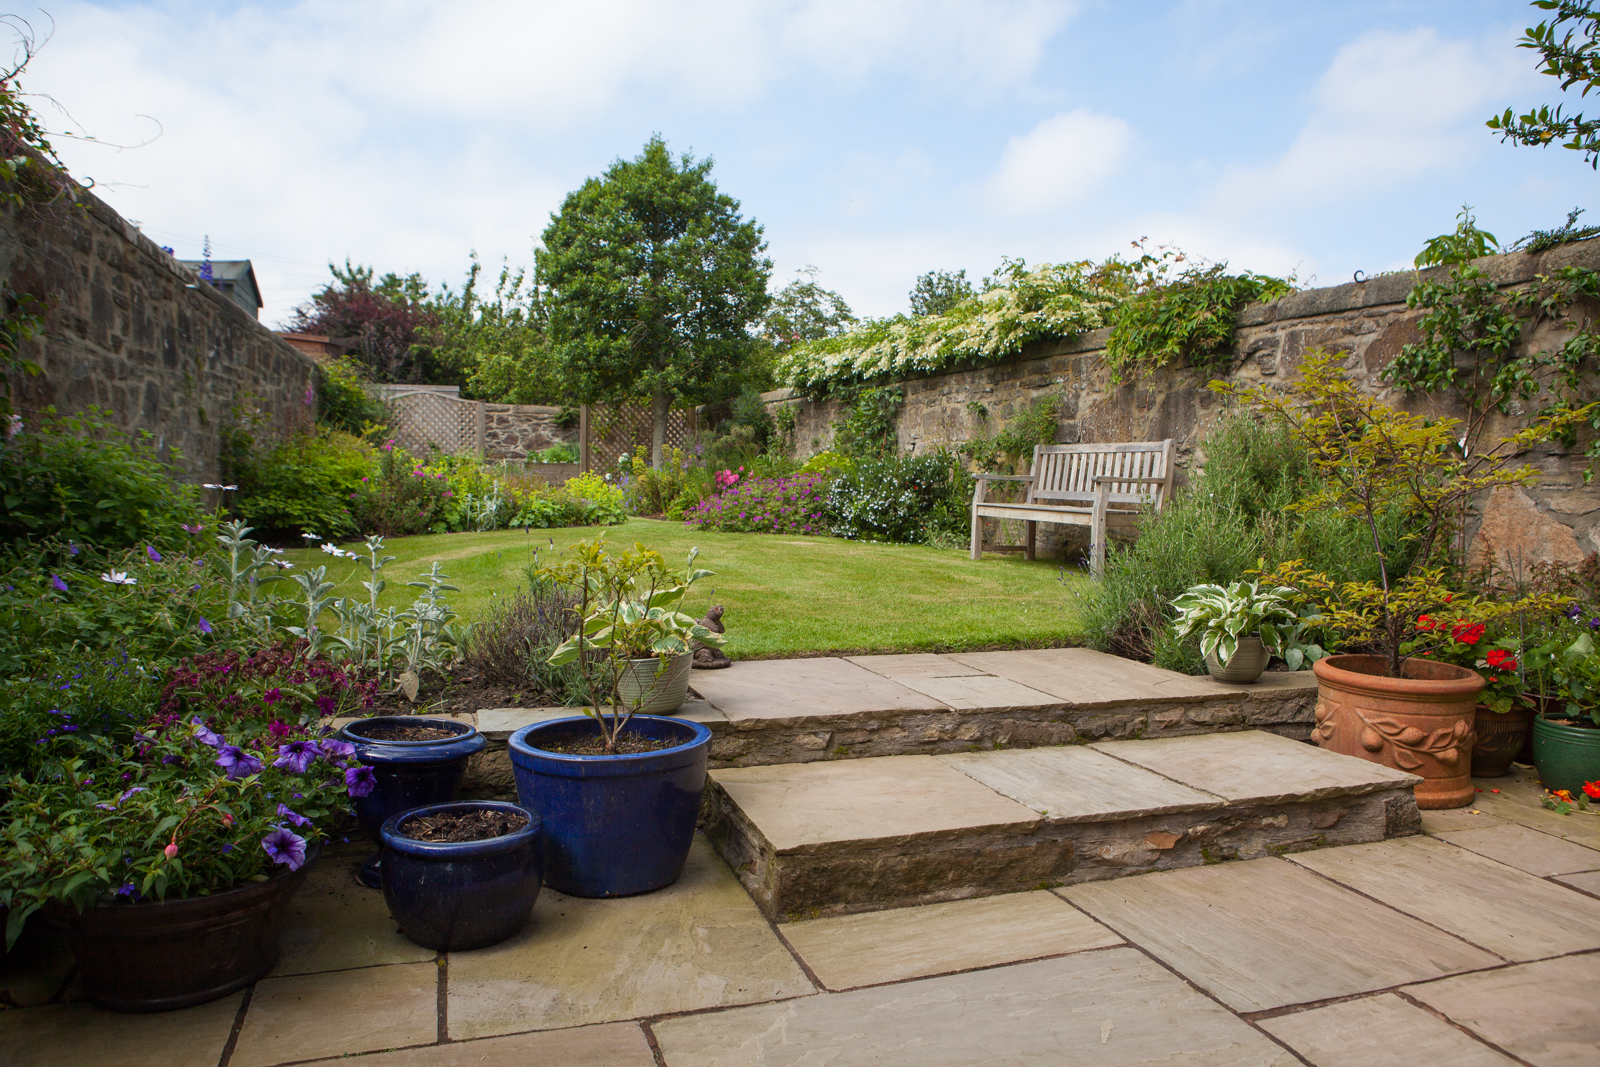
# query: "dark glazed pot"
[1500,739]
[1421,722]
[166,954]
[1566,754]
[460,895]
[410,774]
[613,825]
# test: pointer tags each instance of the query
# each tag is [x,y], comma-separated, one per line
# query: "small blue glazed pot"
[410,773]
[458,895]
[613,825]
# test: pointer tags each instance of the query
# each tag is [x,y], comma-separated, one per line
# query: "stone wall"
[131,330]
[512,431]
[1369,320]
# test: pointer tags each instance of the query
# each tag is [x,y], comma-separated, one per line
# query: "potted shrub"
[1503,716]
[618,792]
[1410,712]
[170,859]
[463,875]
[408,761]
[1241,628]
[1566,734]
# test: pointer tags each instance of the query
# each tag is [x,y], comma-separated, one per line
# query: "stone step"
[831,708]
[831,837]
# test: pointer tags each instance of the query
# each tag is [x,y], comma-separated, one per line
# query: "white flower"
[281,565]
[118,578]
[331,549]
[13,426]
[214,485]
[310,536]
[276,551]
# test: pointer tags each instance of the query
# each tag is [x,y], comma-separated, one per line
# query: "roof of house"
[227,273]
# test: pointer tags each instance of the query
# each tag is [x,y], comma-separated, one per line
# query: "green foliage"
[1222,615]
[870,427]
[344,401]
[399,497]
[499,342]
[653,280]
[904,499]
[804,311]
[1574,58]
[79,477]
[938,292]
[100,692]
[586,500]
[1544,240]
[306,484]
[1190,317]
[651,490]
[31,176]
[19,322]
[565,452]
[1012,447]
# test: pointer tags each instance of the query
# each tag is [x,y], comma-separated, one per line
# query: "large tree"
[391,319]
[651,280]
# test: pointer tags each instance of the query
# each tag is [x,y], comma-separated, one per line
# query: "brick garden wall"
[130,330]
[1560,519]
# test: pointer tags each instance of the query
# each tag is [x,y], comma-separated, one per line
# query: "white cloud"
[1059,161]
[1390,108]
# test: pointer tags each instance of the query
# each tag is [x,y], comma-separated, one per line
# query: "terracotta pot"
[1246,664]
[1500,739]
[1421,722]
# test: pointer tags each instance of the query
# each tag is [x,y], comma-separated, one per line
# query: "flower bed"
[765,505]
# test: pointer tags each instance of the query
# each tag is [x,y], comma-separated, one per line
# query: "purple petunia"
[150,550]
[360,781]
[285,846]
[203,625]
[57,584]
[294,817]
[335,749]
[237,762]
[297,756]
[205,736]
[132,790]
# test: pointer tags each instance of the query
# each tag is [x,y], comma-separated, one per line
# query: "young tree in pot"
[1241,627]
[1408,712]
[618,792]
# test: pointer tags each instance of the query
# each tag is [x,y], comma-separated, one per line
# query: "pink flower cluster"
[726,479]
[765,505]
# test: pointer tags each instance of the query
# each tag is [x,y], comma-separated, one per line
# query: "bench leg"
[977,535]
[1033,527]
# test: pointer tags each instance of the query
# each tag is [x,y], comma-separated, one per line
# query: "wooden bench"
[1098,486]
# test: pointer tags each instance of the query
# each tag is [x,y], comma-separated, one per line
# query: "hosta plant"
[1222,615]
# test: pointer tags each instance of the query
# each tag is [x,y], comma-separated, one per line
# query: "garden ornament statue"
[707,658]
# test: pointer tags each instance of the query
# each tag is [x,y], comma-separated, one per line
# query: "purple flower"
[360,781]
[237,762]
[272,696]
[285,846]
[204,626]
[297,756]
[150,550]
[326,705]
[126,890]
[205,736]
[72,548]
[228,847]
[294,817]
[57,584]
[195,529]
[334,749]
[130,792]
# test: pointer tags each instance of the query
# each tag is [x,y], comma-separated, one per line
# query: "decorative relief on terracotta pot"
[1412,745]
[1323,731]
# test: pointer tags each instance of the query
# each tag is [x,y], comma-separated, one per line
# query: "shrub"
[79,477]
[908,499]
[101,692]
[512,645]
[343,400]
[765,505]
[565,452]
[651,490]
[399,497]
[307,483]
[586,500]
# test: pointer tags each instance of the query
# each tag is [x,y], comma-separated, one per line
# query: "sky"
[873,139]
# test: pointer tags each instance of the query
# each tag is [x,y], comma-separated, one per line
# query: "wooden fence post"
[483,432]
[583,438]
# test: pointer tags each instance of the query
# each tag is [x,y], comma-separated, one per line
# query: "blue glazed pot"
[410,774]
[613,825]
[458,895]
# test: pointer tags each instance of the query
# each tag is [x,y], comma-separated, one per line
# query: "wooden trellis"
[426,419]
[607,431]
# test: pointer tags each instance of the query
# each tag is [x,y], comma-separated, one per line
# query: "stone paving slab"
[611,1045]
[1266,934]
[916,665]
[1465,894]
[890,800]
[37,967]
[699,943]
[336,1013]
[1380,1031]
[1527,849]
[1093,1009]
[1518,801]
[1077,783]
[963,935]
[1541,1012]
[955,684]
[333,923]
[820,688]
[1444,820]
[1588,883]
[1257,766]
[77,1035]
[1084,676]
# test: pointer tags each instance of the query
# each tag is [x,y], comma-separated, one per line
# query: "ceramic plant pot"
[1421,722]
[410,774]
[1500,739]
[459,895]
[661,686]
[613,825]
[1246,664]
[161,955]
[1565,753]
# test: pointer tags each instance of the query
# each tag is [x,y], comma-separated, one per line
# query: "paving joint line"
[655,1046]
[975,970]
[238,1025]
[1442,1017]
[442,999]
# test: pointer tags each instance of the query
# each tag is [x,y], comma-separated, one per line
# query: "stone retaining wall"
[131,330]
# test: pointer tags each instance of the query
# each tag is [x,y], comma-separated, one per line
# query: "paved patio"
[1477,943]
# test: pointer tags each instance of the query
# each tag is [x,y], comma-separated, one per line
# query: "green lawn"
[784,594]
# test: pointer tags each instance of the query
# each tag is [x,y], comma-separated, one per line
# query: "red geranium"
[1501,660]
[1467,633]
[1425,622]
[1593,789]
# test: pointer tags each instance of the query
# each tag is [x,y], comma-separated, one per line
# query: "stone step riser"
[870,876]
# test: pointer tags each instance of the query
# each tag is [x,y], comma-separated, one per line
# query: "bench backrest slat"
[1063,473]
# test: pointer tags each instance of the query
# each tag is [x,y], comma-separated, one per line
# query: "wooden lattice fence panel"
[426,420]
[629,427]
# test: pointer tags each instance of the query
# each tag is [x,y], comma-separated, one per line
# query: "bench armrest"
[1005,477]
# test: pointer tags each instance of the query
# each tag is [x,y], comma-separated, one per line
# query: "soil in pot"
[478,825]
[404,732]
[590,744]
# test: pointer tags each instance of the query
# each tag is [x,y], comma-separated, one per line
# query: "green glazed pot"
[1566,756]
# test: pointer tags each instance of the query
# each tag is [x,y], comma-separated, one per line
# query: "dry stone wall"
[131,330]
[1368,320]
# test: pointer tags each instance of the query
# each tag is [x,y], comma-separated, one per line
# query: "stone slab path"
[825,838]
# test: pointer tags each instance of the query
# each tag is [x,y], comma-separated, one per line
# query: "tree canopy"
[1574,57]
[939,291]
[651,280]
[391,319]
